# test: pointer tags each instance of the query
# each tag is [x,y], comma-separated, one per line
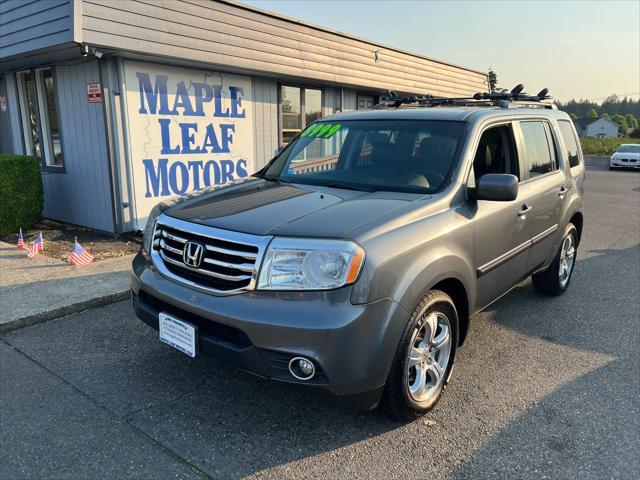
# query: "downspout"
[114,176]
[127,147]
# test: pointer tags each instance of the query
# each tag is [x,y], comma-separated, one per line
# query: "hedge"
[603,146]
[21,195]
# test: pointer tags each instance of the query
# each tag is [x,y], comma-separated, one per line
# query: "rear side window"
[539,153]
[570,142]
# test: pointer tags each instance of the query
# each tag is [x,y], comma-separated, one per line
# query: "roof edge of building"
[279,16]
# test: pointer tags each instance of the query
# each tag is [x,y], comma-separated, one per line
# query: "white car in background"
[626,155]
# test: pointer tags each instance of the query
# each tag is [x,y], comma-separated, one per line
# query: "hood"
[261,207]
[626,155]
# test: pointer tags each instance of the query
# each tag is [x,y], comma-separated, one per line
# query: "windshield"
[410,156]
[628,149]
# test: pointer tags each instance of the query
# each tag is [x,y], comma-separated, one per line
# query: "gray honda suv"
[354,261]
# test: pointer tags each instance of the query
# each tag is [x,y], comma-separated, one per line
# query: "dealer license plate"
[180,335]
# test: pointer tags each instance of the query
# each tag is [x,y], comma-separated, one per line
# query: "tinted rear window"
[570,142]
[537,148]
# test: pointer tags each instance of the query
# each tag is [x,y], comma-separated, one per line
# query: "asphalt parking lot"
[543,388]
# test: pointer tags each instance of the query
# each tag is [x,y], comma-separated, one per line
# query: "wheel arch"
[578,220]
[458,293]
[452,275]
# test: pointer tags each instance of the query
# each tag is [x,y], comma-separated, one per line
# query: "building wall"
[229,35]
[203,35]
[30,25]
[602,127]
[82,194]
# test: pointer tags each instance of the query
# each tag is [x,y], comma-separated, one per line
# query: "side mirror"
[497,187]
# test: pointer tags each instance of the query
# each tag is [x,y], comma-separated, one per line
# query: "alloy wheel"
[428,356]
[567,259]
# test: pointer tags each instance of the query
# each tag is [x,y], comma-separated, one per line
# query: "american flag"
[21,241]
[79,256]
[36,247]
[41,243]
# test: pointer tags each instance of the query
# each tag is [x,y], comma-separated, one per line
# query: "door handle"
[563,191]
[525,209]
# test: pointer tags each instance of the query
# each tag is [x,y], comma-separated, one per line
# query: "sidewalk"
[42,288]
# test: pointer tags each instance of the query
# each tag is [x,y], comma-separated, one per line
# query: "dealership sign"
[188,129]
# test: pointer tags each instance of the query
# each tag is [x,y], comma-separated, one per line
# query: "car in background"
[626,155]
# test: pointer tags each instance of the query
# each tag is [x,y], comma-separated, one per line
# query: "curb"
[63,311]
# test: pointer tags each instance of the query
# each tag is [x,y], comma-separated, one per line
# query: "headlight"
[151,224]
[310,264]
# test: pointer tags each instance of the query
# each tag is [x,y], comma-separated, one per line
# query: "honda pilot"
[355,260]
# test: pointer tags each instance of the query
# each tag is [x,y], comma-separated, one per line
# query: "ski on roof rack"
[505,99]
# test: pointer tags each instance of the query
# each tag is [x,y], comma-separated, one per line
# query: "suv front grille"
[228,261]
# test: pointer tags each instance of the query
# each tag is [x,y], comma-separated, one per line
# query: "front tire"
[557,276]
[424,358]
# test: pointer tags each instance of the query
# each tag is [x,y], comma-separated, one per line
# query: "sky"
[577,49]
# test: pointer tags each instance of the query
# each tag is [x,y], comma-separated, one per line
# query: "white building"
[128,103]
[596,127]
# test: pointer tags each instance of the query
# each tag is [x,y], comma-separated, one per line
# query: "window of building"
[299,107]
[537,143]
[29,113]
[39,114]
[570,142]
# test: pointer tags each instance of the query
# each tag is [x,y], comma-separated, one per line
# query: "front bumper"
[352,346]
[624,163]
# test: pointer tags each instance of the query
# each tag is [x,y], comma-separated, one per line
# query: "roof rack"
[515,98]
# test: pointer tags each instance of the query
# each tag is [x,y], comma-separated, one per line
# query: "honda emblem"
[192,255]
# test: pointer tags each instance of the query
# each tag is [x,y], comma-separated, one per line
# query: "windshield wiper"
[348,186]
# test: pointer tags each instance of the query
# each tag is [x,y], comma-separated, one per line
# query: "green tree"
[592,113]
[573,116]
[606,115]
[612,105]
[622,128]
[493,80]
[632,122]
[622,123]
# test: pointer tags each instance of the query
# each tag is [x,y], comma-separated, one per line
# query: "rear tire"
[556,278]
[424,358]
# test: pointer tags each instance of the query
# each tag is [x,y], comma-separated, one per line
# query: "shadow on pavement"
[590,427]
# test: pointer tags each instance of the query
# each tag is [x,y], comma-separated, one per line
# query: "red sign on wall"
[94,94]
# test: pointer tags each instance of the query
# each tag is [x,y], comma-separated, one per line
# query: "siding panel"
[27,26]
[265,92]
[81,195]
[350,99]
[229,35]
[245,36]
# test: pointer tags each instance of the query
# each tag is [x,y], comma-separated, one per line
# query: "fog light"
[301,368]
[306,366]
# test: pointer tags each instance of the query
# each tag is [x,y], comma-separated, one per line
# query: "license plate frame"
[181,335]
